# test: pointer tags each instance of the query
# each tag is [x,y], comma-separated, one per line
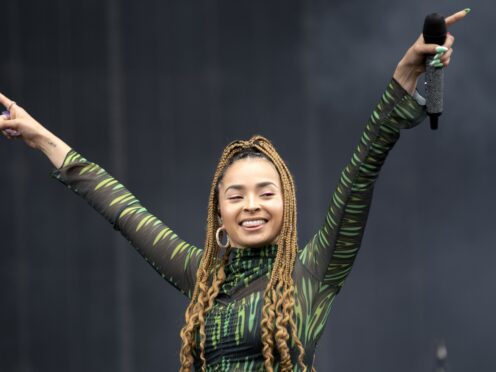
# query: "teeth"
[253,223]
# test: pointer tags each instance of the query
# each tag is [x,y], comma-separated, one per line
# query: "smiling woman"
[258,302]
[252,198]
[251,202]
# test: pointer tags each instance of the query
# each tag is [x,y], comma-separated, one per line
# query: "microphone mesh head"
[434,29]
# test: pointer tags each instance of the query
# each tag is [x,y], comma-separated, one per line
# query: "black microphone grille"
[434,29]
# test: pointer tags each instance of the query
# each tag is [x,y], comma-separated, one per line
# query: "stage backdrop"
[153,90]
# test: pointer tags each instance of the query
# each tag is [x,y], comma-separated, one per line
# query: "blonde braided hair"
[277,311]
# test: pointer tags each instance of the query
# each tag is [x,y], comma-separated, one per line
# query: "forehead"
[250,170]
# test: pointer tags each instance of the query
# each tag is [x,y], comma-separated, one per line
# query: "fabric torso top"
[233,324]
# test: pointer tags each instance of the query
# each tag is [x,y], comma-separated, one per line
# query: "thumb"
[11,133]
[9,124]
[10,128]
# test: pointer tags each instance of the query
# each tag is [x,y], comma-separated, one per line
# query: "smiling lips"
[253,224]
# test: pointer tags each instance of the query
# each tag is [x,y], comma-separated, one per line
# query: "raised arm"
[330,254]
[332,250]
[173,258]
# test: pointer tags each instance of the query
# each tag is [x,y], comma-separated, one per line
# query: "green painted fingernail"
[434,62]
[440,64]
[442,49]
[467,10]
[439,55]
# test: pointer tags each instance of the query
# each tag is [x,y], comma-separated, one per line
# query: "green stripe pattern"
[233,324]
[174,259]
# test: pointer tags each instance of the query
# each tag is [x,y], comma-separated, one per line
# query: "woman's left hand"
[412,65]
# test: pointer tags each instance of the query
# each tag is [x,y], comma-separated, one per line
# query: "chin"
[256,243]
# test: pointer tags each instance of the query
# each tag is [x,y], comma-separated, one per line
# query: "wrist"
[53,147]
[42,141]
[407,76]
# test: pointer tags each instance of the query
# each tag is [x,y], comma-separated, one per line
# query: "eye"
[234,197]
[267,194]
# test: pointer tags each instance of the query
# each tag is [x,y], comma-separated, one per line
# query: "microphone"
[434,33]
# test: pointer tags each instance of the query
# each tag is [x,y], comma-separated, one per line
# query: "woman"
[257,302]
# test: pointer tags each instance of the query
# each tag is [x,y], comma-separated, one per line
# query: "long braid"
[280,304]
[277,311]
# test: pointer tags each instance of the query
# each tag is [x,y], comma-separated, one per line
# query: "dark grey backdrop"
[152,91]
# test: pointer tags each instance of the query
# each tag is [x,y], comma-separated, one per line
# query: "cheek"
[278,211]
[227,213]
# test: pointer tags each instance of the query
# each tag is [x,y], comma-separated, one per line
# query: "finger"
[12,132]
[446,56]
[7,102]
[445,63]
[456,17]
[6,134]
[422,48]
[10,128]
[9,124]
[450,40]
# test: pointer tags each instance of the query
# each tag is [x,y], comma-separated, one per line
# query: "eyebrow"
[259,185]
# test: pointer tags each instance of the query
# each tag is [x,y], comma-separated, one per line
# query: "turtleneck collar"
[246,265]
[248,254]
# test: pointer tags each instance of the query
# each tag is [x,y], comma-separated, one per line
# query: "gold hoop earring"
[221,230]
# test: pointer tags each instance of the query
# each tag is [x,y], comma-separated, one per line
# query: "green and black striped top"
[233,324]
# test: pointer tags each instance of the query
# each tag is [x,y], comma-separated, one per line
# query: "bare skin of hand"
[412,65]
[20,125]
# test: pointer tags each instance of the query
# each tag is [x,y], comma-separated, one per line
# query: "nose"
[251,204]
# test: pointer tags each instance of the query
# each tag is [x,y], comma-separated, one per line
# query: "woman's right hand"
[412,65]
[19,124]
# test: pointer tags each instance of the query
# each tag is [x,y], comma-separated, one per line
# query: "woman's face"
[251,202]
